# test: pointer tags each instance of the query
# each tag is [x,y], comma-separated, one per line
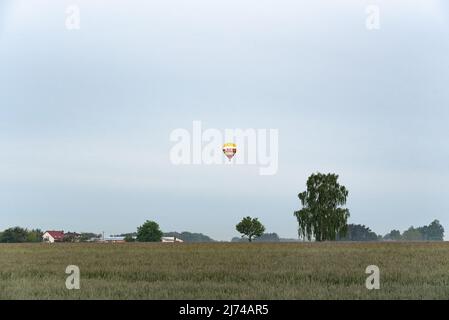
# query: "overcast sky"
[85,115]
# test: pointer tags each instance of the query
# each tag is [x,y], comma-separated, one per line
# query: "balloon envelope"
[229,149]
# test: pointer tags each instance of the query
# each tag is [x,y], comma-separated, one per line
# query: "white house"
[171,239]
[53,236]
[113,239]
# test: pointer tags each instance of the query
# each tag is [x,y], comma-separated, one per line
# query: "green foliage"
[412,234]
[149,232]
[34,235]
[20,235]
[394,235]
[322,216]
[358,232]
[189,236]
[14,235]
[250,228]
[68,239]
[433,232]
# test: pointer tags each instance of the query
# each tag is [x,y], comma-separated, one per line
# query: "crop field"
[225,271]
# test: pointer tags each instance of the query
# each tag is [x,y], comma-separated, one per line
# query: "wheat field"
[225,270]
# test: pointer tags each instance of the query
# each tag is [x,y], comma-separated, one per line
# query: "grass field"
[225,271]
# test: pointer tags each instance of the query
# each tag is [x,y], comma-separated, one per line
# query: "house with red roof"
[53,236]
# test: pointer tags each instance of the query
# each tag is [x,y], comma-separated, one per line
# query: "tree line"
[322,217]
[18,235]
[433,232]
[22,235]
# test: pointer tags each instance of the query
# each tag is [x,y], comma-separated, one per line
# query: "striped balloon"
[229,149]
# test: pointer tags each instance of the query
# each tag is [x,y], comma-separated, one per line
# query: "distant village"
[150,232]
[52,236]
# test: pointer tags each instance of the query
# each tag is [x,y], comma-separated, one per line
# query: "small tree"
[252,228]
[149,232]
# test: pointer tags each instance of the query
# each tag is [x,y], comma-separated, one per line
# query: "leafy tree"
[358,232]
[413,234]
[322,216]
[394,235]
[34,235]
[14,235]
[149,232]
[250,228]
[434,231]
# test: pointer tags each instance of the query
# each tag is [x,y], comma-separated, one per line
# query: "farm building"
[53,236]
[113,239]
[171,239]
[72,237]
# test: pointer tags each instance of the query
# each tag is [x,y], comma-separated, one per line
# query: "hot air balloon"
[229,149]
